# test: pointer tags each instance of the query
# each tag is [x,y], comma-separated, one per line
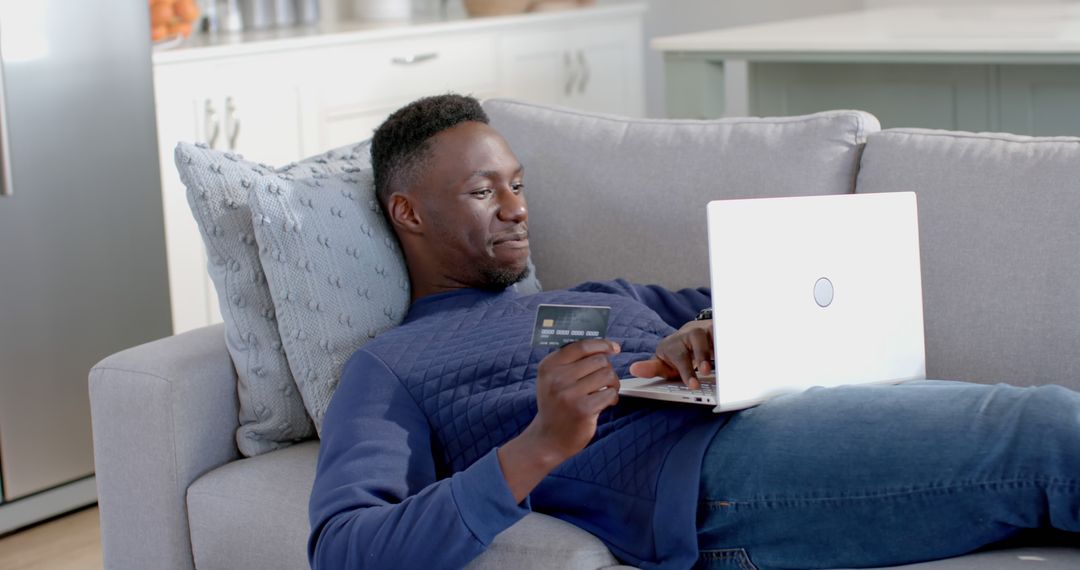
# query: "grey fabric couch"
[610,197]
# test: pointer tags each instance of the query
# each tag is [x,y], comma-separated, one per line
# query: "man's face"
[470,197]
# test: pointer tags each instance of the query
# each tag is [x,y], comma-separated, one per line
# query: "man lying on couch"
[450,428]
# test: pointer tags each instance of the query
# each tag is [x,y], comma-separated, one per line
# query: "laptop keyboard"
[706,389]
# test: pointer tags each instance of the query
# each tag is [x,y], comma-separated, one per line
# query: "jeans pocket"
[724,559]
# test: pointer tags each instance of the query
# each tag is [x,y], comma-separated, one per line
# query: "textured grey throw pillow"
[272,413]
[335,271]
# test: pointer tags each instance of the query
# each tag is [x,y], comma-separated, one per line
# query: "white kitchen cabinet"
[229,106]
[592,65]
[276,97]
[190,290]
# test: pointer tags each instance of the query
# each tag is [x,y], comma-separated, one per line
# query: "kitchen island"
[1009,68]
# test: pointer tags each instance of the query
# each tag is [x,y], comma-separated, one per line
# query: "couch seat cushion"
[253,514]
[1035,558]
[541,542]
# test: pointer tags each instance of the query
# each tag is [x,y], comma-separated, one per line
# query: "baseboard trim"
[47,504]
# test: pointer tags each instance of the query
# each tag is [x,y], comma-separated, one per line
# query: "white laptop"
[808,291]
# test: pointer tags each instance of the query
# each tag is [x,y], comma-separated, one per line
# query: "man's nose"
[512,206]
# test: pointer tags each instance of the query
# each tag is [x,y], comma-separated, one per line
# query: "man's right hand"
[573,385]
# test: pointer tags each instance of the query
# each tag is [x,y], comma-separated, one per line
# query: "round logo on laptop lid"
[823,292]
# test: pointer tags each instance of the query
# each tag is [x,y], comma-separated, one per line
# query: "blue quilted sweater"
[408,476]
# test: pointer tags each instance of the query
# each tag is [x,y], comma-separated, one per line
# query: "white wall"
[670,17]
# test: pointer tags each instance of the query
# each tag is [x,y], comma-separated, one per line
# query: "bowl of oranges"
[172,20]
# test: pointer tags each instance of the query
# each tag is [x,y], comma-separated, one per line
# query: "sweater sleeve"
[676,308]
[377,501]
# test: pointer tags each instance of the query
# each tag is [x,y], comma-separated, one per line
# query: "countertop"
[1047,33]
[205,46]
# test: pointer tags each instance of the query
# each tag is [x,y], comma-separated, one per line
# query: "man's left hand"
[684,355]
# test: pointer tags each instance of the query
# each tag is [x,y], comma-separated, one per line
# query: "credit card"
[558,325]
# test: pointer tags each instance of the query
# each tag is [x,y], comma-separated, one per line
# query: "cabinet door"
[234,106]
[609,73]
[260,118]
[537,66]
[179,118]
[594,66]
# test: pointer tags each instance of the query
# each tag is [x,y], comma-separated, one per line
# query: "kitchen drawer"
[371,80]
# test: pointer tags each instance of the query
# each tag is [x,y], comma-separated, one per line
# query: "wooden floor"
[72,542]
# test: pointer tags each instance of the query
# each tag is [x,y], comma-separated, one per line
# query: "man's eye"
[518,187]
[482,193]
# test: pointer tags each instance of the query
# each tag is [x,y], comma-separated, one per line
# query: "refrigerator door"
[82,252]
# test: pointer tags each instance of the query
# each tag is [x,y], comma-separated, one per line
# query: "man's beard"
[499,278]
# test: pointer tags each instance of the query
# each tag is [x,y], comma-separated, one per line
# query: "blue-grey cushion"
[272,412]
[618,197]
[335,271]
[999,224]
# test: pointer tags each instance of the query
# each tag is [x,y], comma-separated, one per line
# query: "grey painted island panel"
[1040,99]
[1024,99]
[1002,68]
[899,95]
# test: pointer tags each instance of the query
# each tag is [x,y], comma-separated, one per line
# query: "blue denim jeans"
[883,475]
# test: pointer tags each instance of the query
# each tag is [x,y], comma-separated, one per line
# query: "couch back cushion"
[616,197]
[999,219]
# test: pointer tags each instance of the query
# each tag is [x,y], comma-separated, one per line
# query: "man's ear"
[403,215]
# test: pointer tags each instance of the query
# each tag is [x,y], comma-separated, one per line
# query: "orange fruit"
[161,13]
[186,10]
[171,17]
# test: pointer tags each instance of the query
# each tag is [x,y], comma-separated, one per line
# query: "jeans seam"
[1045,483]
[739,555]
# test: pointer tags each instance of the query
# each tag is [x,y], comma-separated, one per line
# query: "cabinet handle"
[583,64]
[232,122]
[6,188]
[414,58]
[211,127]
[571,73]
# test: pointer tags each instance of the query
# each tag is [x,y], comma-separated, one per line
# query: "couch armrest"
[163,414]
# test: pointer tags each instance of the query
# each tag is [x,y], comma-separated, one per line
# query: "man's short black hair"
[400,145]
